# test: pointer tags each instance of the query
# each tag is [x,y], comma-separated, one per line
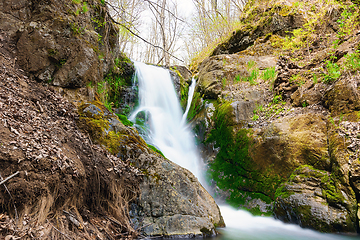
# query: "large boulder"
[343,97]
[316,199]
[217,72]
[172,202]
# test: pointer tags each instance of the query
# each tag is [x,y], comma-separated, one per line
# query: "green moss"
[233,168]
[256,211]
[331,189]
[155,150]
[283,192]
[196,106]
[110,90]
[124,120]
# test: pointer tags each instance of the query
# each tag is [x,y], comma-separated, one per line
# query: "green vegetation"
[196,106]
[333,72]
[155,150]
[223,83]
[352,61]
[255,117]
[76,29]
[184,91]
[305,104]
[233,168]
[297,79]
[269,74]
[110,90]
[329,184]
[275,107]
[258,110]
[85,8]
[124,120]
[256,211]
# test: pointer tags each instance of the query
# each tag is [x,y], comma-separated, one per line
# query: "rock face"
[172,202]
[315,199]
[278,123]
[61,42]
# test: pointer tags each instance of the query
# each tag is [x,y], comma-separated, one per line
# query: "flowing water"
[162,124]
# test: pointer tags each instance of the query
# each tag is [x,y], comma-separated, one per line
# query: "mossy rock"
[316,199]
[106,129]
[293,141]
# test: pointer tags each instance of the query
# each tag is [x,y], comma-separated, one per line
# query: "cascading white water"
[169,132]
[163,115]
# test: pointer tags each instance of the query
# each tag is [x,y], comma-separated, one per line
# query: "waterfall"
[162,124]
[160,110]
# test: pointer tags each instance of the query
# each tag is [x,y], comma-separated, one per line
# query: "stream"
[161,122]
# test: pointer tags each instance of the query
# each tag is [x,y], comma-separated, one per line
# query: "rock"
[172,202]
[218,71]
[290,142]
[55,46]
[308,94]
[343,96]
[315,199]
[281,24]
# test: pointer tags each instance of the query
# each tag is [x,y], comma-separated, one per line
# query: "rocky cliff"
[278,113]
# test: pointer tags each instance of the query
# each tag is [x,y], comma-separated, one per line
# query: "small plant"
[277,99]
[305,104]
[76,1]
[223,82]
[352,61]
[255,117]
[253,76]
[102,2]
[76,29]
[99,22]
[347,23]
[251,64]
[237,78]
[315,78]
[100,39]
[333,72]
[332,121]
[269,74]
[85,8]
[258,109]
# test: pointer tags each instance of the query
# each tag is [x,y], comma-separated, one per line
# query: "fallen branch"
[59,230]
[8,178]
[12,199]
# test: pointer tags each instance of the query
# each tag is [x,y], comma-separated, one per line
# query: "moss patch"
[233,168]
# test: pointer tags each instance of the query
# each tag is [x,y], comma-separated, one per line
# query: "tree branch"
[8,178]
[143,39]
